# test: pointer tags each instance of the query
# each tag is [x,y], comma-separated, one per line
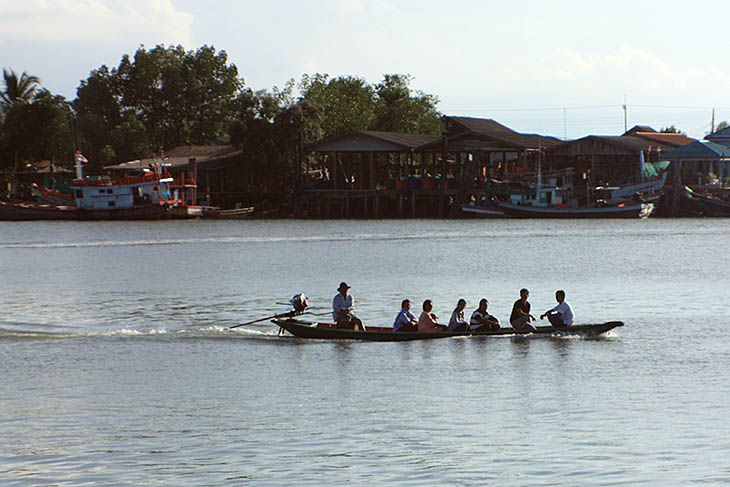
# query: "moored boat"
[708,205]
[638,210]
[328,331]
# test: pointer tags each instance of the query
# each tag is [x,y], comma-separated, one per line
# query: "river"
[119,368]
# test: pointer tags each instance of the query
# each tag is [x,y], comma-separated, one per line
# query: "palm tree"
[18,90]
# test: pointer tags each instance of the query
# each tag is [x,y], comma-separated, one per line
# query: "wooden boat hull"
[36,211]
[232,214]
[482,212]
[328,331]
[709,206]
[641,210]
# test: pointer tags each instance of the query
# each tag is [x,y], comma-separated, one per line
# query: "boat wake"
[29,331]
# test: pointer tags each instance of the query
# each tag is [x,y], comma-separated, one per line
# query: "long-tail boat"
[329,331]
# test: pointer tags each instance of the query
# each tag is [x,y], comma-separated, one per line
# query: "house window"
[109,191]
[102,191]
[111,204]
[79,193]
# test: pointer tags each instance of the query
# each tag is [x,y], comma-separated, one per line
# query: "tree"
[41,129]
[347,101]
[18,89]
[671,130]
[177,97]
[398,109]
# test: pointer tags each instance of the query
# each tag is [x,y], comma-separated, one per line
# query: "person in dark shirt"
[521,317]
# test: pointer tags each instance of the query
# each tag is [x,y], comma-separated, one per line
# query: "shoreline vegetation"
[165,97]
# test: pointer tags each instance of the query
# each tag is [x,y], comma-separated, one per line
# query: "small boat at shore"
[710,206]
[638,210]
[328,331]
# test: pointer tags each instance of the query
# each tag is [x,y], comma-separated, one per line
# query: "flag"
[79,157]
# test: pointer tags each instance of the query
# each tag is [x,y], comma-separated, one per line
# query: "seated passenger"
[457,323]
[428,320]
[561,316]
[481,320]
[521,317]
[405,321]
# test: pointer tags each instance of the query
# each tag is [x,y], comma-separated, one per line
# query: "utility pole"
[712,126]
[626,124]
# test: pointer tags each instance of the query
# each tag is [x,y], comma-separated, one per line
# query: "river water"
[118,367]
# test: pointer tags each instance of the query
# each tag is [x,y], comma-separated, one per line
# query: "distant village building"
[615,159]
[223,175]
[721,137]
[365,173]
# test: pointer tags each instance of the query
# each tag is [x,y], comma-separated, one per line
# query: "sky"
[563,68]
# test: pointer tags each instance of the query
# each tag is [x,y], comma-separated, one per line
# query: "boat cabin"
[135,189]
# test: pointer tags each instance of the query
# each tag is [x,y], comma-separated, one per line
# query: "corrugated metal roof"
[638,128]
[178,157]
[370,141]
[722,133]
[496,130]
[701,150]
[624,143]
[675,140]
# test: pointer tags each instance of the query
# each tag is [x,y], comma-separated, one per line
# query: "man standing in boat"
[521,317]
[561,315]
[342,310]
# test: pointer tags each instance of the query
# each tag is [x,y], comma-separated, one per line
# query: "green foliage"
[398,109]
[671,130]
[348,102]
[38,130]
[161,97]
[17,89]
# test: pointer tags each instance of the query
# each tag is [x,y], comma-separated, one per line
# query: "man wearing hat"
[342,306]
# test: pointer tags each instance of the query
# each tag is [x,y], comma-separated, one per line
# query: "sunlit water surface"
[118,367]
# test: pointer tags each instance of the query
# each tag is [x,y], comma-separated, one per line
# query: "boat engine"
[300,302]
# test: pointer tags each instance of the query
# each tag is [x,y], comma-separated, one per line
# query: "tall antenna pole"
[712,127]
[626,123]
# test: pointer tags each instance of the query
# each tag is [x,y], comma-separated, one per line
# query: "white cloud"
[95,21]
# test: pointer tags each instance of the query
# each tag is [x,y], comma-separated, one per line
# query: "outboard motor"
[300,302]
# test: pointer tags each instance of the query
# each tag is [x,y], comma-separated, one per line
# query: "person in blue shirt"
[405,320]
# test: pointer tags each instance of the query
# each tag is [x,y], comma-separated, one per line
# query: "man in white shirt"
[560,316]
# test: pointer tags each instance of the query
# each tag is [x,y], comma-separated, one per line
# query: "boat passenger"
[405,320]
[457,323]
[428,320]
[560,316]
[342,310]
[521,317]
[481,320]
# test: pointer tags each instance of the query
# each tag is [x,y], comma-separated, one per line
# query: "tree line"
[167,97]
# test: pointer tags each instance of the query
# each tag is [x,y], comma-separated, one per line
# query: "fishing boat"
[329,331]
[231,214]
[708,205]
[648,191]
[637,210]
[139,195]
[51,196]
[26,211]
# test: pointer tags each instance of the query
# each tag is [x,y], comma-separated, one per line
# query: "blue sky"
[559,68]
